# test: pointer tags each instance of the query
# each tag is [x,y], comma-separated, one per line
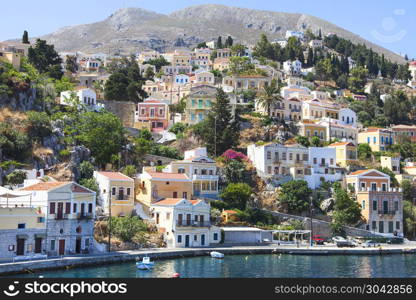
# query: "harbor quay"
[75,261]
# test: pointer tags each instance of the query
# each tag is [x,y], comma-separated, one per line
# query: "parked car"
[370,243]
[342,242]
[318,240]
[396,240]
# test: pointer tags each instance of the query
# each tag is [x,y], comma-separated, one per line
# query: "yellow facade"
[11,58]
[378,139]
[346,153]
[11,217]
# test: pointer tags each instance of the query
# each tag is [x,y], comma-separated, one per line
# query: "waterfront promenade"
[8,268]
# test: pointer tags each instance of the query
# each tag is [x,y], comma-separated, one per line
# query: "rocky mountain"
[131,29]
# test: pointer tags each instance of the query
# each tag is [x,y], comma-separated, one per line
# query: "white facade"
[296,34]
[185,223]
[86,97]
[348,117]
[181,79]
[292,67]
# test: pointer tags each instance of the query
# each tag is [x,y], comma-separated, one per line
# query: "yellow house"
[118,189]
[199,103]
[228,215]
[11,58]
[309,129]
[152,186]
[201,169]
[346,153]
[377,138]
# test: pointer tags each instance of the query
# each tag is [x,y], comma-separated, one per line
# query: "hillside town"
[220,144]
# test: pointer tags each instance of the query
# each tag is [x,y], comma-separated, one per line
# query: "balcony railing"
[61,216]
[204,177]
[386,212]
[84,216]
[121,198]
[193,224]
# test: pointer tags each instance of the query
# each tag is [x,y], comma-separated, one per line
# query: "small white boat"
[215,254]
[145,264]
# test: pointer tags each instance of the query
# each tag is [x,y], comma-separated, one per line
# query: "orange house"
[152,114]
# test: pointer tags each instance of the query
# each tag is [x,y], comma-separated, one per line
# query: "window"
[384,187]
[128,191]
[195,237]
[21,226]
[90,208]
[185,195]
[41,220]
[391,227]
[374,205]
[269,155]
[363,185]
[215,236]
[381,226]
[179,239]
[74,208]
[68,207]
[373,186]
[315,160]
[396,205]
[374,225]
[113,191]
[363,204]
[52,245]
[397,225]
[290,156]
[167,216]
[52,208]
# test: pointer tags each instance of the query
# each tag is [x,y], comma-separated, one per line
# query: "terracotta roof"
[230,211]
[79,189]
[44,186]
[115,175]
[359,172]
[195,201]
[168,201]
[163,175]
[342,144]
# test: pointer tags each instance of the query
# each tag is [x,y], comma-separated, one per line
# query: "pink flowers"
[231,154]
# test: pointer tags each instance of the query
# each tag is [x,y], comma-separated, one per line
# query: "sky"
[391,24]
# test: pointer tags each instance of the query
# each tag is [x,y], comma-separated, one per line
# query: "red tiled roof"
[79,189]
[44,186]
[115,175]
[342,144]
[230,211]
[195,201]
[171,176]
[359,172]
[168,201]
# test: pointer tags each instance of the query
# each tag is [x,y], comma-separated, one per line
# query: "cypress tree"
[25,38]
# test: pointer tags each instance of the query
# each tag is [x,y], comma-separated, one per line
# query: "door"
[121,194]
[203,240]
[60,210]
[188,219]
[186,241]
[175,194]
[20,249]
[385,207]
[78,245]
[180,219]
[82,209]
[38,245]
[61,247]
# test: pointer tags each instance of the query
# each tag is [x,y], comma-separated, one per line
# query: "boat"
[145,264]
[215,254]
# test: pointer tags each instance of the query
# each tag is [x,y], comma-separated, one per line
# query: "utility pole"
[109,223]
[310,215]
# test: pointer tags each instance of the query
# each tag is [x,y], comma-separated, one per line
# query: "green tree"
[236,195]
[234,171]
[228,42]
[346,210]
[389,172]
[364,151]
[86,169]
[219,43]
[218,130]
[295,195]
[38,125]
[16,177]
[45,59]
[25,38]
[102,133]
[396,108]
[302,140]
[358,79]
[71,64]
[149,74]
[269,97]
[126,228]
[130,171]
[158,63]
[92,184]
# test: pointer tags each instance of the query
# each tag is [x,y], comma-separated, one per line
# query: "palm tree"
[269,97]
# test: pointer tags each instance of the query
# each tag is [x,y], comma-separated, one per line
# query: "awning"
[22,236]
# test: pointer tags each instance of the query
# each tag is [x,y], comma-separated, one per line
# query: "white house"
[316,44]
[292,67]
[86,96]
[297,34]
[181,79]
[348,117]
[185,223]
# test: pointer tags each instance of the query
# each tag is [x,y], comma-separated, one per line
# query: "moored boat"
[216,254]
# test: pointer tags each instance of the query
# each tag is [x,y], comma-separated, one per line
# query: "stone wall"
[123,109]
[9,238]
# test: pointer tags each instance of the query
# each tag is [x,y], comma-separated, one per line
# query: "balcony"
[84,216]
[60,216]
[121,198]
[204,177]
[193,224]
[386,212]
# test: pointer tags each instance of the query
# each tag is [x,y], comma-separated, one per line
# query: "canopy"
[6,193]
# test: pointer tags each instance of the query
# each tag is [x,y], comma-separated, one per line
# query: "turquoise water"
[256,266]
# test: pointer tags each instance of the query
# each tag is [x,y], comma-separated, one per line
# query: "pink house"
[152,114]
